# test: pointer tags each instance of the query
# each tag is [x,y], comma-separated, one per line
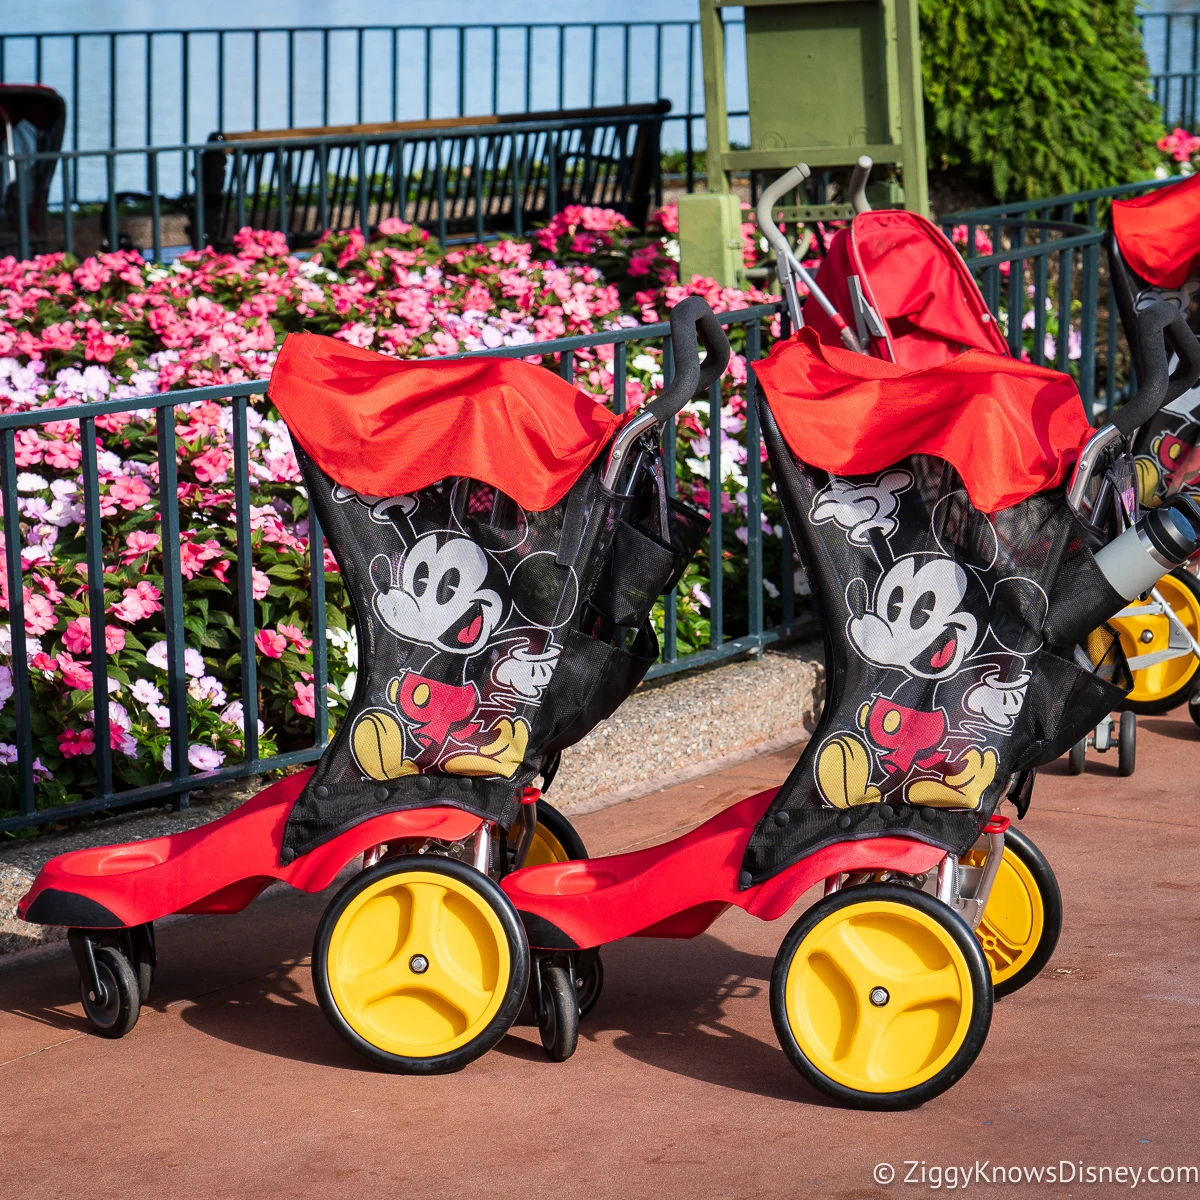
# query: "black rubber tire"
[1052,910]
[144,958]
[588,992]
[566,833]
[981,987]
[1169,700]
[122,1005]
[558,1015]
[518,982]
[1194,707]
[1077,757]
[1127,744]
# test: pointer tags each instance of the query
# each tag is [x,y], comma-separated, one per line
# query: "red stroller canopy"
[915,280]
[385,426]
[1158,233]
[1009,428]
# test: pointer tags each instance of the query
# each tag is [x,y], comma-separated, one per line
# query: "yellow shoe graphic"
[957,791]
[378,745]
[500,757]
[844,772]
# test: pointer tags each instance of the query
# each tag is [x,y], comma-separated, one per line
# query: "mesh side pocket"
[592,680]
[1066,699]
[1081,600]
[688,528]
[637,572]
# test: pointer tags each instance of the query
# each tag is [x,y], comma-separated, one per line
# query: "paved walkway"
[233,1085]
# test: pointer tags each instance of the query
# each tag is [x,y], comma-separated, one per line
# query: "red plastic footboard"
[679,888]
[215,868]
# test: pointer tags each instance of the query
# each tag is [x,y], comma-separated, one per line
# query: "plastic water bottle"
[1162,540]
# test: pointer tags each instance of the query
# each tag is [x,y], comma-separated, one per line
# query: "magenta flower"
[270,644]
[212,466]
[74,742]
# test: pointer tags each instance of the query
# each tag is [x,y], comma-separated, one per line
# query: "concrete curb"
[666,733]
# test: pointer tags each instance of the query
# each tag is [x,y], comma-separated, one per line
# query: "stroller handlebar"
[1157,325]
[690,319]
[858,184]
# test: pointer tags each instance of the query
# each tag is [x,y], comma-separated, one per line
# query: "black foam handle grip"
[1157,325]
[692,318]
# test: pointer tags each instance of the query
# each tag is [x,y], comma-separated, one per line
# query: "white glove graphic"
[860,507]
[525,671]
[997,702]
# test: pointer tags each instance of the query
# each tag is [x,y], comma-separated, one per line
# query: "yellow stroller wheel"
[1023,918]
[1161,659]
[881,997]
[421,964]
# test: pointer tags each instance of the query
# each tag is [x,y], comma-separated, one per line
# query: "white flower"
[144,692]
[205,758]
[27,481]
[161,715]
[62,488]
[6,686]
[207,687]
[770,589]
[644,362]
[193,662]
[156,656]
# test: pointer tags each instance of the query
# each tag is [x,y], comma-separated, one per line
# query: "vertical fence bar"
[95,585]
[22,165]
[462,70]
[110,173]
[754,562]
[495,69]
[112,91]
[168,507]
[70,169]
[670,602]
[255,77]
[285,188]
[364,207]
[592,67]
[291,79]
[529,70]
[316,550]
[76,106]
[395,71]
[149,88]
[1016,296]
[325,76]
[566,365]
[360,56]
[323,194]
[562,62]
[201,237]
[247,622]
[441,191]
[1090,297]
[716,532]
[155,205]
[620,353]
[221,79]
[428,73]
[1041,293]
[16,623]
[1066,282]
[185,88]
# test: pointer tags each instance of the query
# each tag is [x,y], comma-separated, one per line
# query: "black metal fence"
[1172,41]
[178,780]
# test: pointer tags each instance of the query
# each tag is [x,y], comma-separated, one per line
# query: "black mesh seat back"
[488,640]
[1162,446]
[951,657]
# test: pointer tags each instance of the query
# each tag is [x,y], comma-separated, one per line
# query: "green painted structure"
[829,80]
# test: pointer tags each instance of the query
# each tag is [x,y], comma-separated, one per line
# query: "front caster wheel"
[1077,757]
[421,964]
[1021,924]
[1127,744]
[558,1013]
[114,1011]
[589,981]
[881,997]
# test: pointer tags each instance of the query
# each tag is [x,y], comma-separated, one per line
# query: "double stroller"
[504,539]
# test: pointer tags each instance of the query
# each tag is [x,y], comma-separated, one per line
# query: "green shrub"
[1038,97]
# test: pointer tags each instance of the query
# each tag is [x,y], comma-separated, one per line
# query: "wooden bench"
[459,178]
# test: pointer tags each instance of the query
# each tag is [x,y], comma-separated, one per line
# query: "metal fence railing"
[1064,284]
[1172,41]
[135,88]
[758,629]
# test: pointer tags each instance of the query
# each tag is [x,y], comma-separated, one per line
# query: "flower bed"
[114,326]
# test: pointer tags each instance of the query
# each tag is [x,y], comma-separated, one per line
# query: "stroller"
[535,539]
[1154,256]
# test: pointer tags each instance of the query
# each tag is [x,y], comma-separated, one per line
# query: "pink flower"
[114,639]
[212,466]
[304,703]
[77,637]
[260,584]
[138,603]
[1180,144]
[40,616]
[193,556]
[75,742]
[75,675]
[139,543]
[293,635]
[129,491]
[393,227]
[270,644]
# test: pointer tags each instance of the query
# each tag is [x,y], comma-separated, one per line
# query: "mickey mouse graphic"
[475,664]
[951,648]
